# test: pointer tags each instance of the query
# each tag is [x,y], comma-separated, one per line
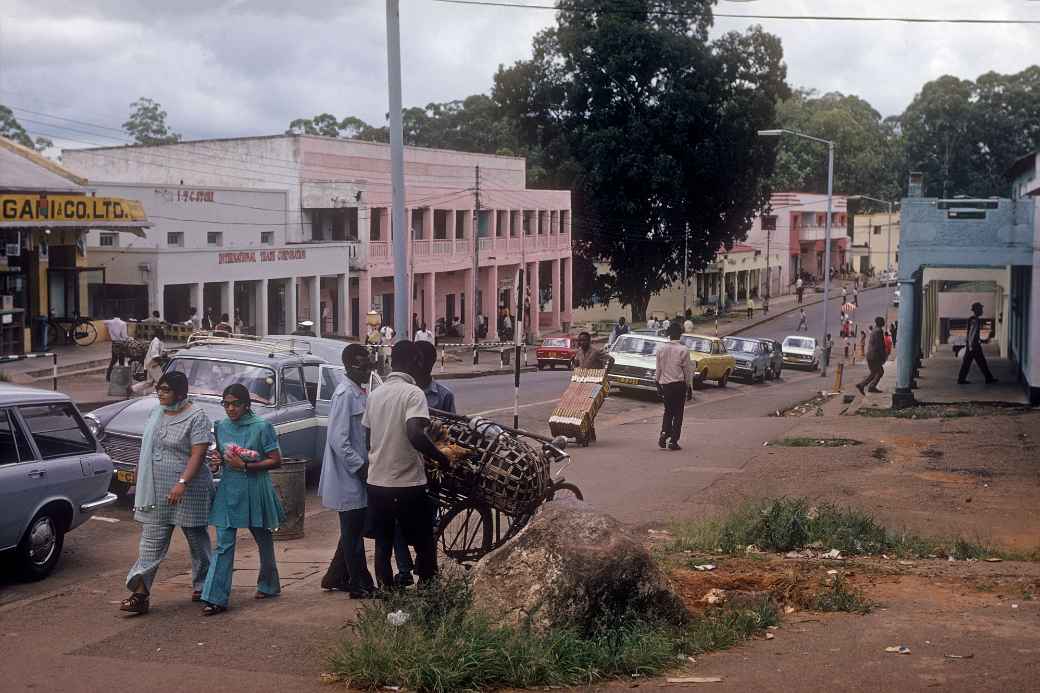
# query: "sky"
[228,68]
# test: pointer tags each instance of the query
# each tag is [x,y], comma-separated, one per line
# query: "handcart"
[575,415]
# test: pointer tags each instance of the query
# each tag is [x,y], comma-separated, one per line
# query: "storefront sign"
[251,256]
[195,196]
[40,209]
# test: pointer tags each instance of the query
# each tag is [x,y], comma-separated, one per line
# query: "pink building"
[332,197]
[795,227]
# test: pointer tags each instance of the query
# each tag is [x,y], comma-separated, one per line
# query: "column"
[343,304]
[536,331]
[906,346]
[262,328]
[568,290]
[491,300]
[160,300]
[429,315]
[471,306]
[364,303]
[316,304]
[290,305]
[227,293]
[197,299]
[556,289]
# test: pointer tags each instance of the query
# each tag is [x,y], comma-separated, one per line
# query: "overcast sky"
[224,68]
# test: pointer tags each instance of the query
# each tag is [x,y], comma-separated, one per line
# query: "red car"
[555,350]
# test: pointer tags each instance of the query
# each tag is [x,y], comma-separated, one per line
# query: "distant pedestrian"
[855,294]
[845,339]
[674,377]
[651,323]
[247,446]
[224,325]
[893,329]
[687,326]
[973,348]
[803,322]
[844,293]
[875,356]
[620,328]
[665,324]
[750,307]
[423,334]
[119,337]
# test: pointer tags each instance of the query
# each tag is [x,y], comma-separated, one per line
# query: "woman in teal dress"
[248,447]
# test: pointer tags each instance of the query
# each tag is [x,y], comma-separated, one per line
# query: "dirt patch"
[810,407]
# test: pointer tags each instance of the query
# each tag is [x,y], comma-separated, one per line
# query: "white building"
[244,224]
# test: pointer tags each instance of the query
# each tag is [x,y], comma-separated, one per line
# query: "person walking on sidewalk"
[799,289]
[750,307]
[120,339]
[343,470]
[174,489]
[803,322]
[973,348]
[674,375]
[876,355]
[397,418]
[247,446]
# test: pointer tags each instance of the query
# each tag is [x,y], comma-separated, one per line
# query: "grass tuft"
[841,595]
[448,644]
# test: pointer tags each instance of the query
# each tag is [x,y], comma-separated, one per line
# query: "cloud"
[240,67]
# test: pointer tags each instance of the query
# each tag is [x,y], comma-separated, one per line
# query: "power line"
[799,17]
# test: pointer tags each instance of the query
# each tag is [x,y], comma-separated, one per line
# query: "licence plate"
[125,476]
[625,381]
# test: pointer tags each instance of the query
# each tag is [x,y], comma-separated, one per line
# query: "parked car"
[555,351]
[53,475]
[750,359]
[653,332]
[711,360]
[633,362]
[800,352]
[288,386]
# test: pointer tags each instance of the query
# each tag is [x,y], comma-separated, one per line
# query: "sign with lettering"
[34,210]
[252,256]
[194,195]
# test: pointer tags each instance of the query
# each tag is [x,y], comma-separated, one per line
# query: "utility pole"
[827,257]
[402,290]
[888,252]
[686,267]
[769,286]
[476,260]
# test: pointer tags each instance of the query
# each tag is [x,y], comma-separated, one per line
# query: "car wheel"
[724,379]
[41,545]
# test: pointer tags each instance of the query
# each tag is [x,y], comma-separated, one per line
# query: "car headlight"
[94,425]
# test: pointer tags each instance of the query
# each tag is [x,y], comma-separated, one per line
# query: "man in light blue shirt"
[344,469]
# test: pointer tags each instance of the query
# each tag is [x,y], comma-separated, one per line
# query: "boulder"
[573,566]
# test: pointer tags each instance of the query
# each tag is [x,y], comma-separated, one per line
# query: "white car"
[633,362]
[800,352]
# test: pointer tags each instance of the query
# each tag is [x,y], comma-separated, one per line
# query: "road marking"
[104,519]
[510,408]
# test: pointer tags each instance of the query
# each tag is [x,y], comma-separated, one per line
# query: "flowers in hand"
[245,454]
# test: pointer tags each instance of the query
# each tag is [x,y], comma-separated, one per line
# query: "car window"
[57,430]
[696,344]
[293,389]
[14,447]
[331,377]
[635,345]
[310,379]
[796,343]
[556,342]
[210,377]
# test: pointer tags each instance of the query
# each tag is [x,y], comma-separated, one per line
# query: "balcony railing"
[819,233]
[381,252]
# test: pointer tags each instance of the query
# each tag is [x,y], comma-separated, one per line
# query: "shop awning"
[41,210]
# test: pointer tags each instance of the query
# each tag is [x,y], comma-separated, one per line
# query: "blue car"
[53,475]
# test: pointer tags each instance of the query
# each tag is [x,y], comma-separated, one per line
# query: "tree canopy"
[13,130]
[147,123]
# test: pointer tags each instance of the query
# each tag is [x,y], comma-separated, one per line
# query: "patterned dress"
[174,438]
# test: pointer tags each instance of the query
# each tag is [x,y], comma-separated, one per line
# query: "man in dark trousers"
[876,356]
[397,418]
[674,374]
[973,348]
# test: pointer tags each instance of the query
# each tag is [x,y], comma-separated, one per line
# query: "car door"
[329,378]
[18,497]
[66,453]
[296,423]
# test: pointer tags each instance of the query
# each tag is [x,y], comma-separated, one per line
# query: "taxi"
[711,360]
[555,351]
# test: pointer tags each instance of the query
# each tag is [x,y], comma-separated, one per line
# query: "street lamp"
[888,231]
[827,232]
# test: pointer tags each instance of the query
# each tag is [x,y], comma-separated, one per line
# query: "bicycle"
[79,330]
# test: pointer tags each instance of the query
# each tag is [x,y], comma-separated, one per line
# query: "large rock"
[572,566]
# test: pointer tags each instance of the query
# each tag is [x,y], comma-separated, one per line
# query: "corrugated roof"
[23,169]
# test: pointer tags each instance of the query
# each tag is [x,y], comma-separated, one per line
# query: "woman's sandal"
[135,604]
[213,609]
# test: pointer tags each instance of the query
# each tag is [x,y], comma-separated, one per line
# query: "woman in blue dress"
[247,447]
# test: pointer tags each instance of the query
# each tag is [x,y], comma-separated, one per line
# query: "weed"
[948,411]
[448,644]
[880,454]
[841,595]
[815,442]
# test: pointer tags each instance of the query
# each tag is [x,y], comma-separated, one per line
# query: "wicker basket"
[502,470]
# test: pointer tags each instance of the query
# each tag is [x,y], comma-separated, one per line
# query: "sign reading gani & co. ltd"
[88,210]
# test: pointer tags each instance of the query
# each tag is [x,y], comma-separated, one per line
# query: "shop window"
[769,223]
[108,240]
[175,239]
[877,230]
[267,237]
[215,238]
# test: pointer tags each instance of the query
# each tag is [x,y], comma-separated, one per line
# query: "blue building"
[954,252]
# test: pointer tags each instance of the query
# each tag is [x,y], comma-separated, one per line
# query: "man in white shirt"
[651,323]
[397,418]
[118,335]
[388,334]
[674,375]
[424,335]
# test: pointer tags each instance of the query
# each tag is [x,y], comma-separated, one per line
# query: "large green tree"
[656,127]
[147,123]
[963,135]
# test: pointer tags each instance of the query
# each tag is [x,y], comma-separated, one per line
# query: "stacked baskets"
[579,404]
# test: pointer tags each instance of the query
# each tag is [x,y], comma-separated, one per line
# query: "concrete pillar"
[470,316]
[427,225]
[158,304]
[290,305]
[567,295]
[197,299]
[491,300]
[343,304]
[535,329]
[364,302]
[906,346]
[316,304]
[556,289]
[429,312]
[262,328]
[228,294]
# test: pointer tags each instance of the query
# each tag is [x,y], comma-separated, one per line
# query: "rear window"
[799,343]
[635,345]
[696,344]
[57,430]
